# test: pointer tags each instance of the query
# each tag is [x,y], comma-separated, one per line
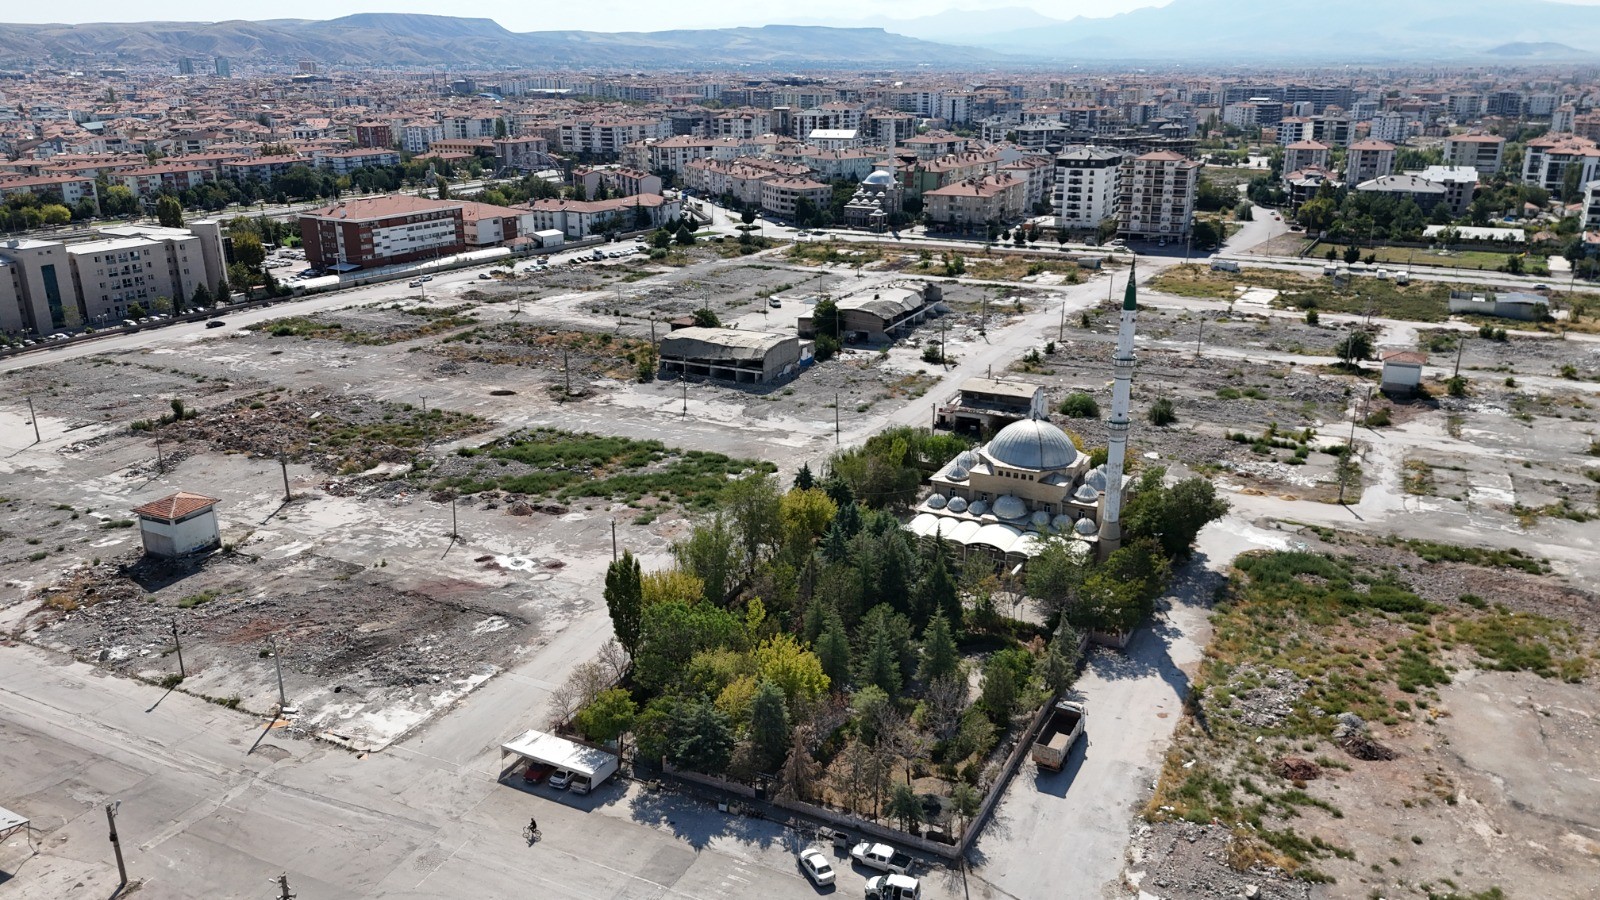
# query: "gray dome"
[1086,494]
[977,507]
[879,177]
[1041,519]
[957,505]
[1032,444]
[1009,507]
[1096,478]
[1085,527]
[966,459]
[958,473]
[1061,522]
[936,501]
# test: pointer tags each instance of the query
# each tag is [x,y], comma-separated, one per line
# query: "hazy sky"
[610,15]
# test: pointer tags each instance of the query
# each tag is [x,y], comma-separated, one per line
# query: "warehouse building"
[883,315]
[729,354]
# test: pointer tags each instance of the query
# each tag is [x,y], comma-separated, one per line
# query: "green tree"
[1317,213]
[169,212]
[1206,235]
[222,293]
[711,553]
[755,508]
[119,201]
[500,128]
[936,592]
[624,595]
[796,671]
[880,664]
[1058,669]
[1171,516]
[833,651]
[441,187]
[905,807]
[55,214]
[1079,406]
[1121,592]
[1004,676]
[1054,575]
[248,251]
[1161,412]
[201,298]
[608,717]
[940,656]
[1355,346]
[699,738]
[1352,255]
[671,633]
[769,726]
[965,801]
[685,237]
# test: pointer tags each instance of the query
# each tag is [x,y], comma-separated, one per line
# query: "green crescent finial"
[1130,298]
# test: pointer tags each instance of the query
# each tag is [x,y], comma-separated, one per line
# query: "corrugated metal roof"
[721,343]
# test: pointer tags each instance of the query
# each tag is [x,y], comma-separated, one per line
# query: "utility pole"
[1201,335]
[282,881]
[685,393]
[613,540]
[566,368]
[160,465]
[1460,345]
[836,418]
[283,462]
[455,534]
[116,843]
[35,420]
[182,672]
[944,343]
[277,664]
[1061,330]
[1111,286]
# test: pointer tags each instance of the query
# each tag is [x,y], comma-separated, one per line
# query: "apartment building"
[935,144]
[975,201]
[487,225]
[48,286]
[1086,187]
[417,137]
[524,154]
[741,177]
[374,134]
[1037,174]
[380,231]
[72,189]
[1484,152]
[1156,195]
[780,195]
[607,137]
[1591,206]
[261,169]
[950,169]
[581,218]
[742,123]
[1459,183]
[1367,160]
[346,161]
[1390,127]
[1304,155]
[1546,160]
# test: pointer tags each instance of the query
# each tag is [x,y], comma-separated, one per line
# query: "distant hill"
[1543,50]
[1248,32]
[955,26]
[391,39]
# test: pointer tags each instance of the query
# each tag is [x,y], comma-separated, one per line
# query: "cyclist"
[533,825]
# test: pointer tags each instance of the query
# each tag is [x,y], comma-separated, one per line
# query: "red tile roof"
[174,506]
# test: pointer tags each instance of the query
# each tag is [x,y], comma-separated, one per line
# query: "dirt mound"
[1362,746]
[1295,768]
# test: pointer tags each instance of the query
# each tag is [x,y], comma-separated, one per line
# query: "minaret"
[1116,452]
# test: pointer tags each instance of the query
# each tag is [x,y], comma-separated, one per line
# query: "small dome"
[1085,527]
[1085,494]
[977,507]
[1009,507]
[958,473]
[1032,444]
[879,177]
[936,501]
[1062,522]
[1096,478]
[966,459]
[1041,519]
[957,505]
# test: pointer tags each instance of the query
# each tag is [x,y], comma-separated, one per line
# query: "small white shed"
[1402,371]
[178,523]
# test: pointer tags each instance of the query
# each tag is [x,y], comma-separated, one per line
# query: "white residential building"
[1087,179]
[1156,195]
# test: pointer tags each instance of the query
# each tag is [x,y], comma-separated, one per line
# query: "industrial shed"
[882,315]
[748,357]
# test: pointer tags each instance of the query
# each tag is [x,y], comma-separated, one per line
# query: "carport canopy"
[11,823]
[559,752]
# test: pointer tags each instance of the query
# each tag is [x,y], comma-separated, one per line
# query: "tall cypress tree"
[625,599]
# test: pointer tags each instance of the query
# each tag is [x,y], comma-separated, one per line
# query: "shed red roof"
[174,506]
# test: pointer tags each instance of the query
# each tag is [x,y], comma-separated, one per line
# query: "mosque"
[876,197]
[1006,497]
[1031,482]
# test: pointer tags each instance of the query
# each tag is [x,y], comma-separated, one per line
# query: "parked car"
[536,772]
[894,887]
[816,866]
[581,784]
[215,323]
[882,857]
[426,278]
[483,276]
[417,283]
[561,779]
[774,302]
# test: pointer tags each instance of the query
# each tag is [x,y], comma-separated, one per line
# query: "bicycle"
[532,835]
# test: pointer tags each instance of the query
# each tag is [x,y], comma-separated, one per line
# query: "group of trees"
[24,211]
[806,635]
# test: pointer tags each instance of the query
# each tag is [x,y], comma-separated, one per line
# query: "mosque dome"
[1085,527]
[966,459]
[1061,522]
[1096,478]
[1032,444]
[1008,507]
[936,501]
[1041,519]
[977,507]
[957,473]
[1085,494]
[957,505]
[879,177]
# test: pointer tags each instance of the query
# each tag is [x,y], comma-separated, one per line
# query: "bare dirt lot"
[1365,725]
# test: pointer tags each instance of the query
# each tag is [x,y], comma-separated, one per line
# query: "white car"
[894,887]
[562,778]
[816,866]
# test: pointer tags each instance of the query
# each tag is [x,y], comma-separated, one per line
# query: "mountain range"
[1236,32]
[1247,32]
[393,39]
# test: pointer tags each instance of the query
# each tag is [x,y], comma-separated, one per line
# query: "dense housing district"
[1162,483]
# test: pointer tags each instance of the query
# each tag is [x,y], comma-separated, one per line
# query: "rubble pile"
[1352,735]
[1187,861]
[1269,701]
